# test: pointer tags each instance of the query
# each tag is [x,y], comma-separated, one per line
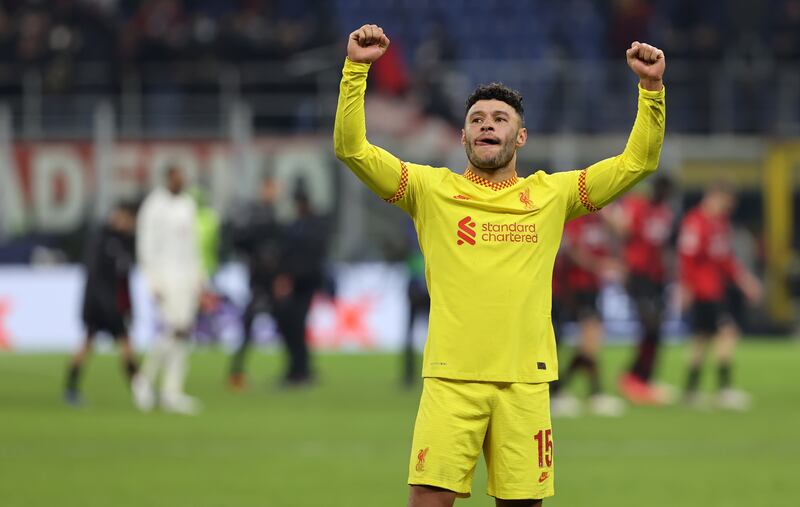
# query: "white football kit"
[169,258]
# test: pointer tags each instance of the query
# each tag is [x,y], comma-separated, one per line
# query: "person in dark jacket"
[257,235]
[107,300]
[301,273]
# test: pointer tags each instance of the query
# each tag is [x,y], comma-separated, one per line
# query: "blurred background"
[99,97]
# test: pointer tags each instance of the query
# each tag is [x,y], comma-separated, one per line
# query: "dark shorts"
[706,317]
[581,305]
[643,288]
[647,296]
[735,307]
[96,320]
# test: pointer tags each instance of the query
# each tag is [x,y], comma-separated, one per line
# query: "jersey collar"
[480,180]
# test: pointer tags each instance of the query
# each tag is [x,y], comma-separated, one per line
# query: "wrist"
[360,62]
[653,85]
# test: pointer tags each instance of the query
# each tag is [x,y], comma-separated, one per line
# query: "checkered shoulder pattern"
[584,193]
[401,189]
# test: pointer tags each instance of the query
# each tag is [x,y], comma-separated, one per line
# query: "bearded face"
[492,133]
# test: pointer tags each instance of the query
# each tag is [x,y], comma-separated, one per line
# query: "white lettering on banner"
[125,162]
[63,179]
[58,188]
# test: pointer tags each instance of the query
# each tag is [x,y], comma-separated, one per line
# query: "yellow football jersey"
[490,247]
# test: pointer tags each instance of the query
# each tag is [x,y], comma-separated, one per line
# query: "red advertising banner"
[55,186]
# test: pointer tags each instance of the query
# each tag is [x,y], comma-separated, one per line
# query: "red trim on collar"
[480,180]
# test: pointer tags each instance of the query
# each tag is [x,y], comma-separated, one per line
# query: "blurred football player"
[707,267]
[106,299]
[586,258]
[170,260]
[646,226]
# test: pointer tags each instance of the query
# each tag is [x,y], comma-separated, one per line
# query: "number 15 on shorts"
[544,440]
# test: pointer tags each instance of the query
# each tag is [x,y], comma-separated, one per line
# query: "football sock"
[73,377]
[237,362]
[154,361]
[575,365]
[724,375]
[693,379]
[129,365]
[175,367]
[593,372]
[643,366]
[582,362]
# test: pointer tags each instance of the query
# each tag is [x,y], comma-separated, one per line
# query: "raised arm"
[602,182]
[377,168]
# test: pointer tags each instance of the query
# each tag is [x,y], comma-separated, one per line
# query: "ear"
[463,137]
[522,137]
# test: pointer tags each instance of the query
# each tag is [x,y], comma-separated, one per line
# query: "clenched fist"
[648,63]
[367,44]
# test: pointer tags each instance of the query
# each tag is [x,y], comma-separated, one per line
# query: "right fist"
[367,44]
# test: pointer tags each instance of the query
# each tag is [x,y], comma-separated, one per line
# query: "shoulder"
[428,174]
[188,201]
[559,179]
[541,176]
[158,193]
[153,199]
[429,171]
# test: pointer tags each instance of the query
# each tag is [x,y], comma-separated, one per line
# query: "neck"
[498,175]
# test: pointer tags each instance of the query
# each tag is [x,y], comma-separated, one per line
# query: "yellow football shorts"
[509,421]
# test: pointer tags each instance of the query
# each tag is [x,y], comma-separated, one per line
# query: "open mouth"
[487,141]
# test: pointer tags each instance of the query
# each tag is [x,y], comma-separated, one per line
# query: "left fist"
[648,63]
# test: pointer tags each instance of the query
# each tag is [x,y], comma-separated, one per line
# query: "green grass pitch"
[346,441]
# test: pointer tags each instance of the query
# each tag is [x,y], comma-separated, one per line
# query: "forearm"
[606,180]
[350,131]
[378,169]
[643,149]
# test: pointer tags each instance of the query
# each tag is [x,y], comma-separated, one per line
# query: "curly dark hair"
[498,91]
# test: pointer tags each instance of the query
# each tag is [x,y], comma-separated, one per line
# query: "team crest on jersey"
[525,198]
[421,459]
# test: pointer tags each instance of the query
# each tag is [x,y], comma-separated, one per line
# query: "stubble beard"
[493,163]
